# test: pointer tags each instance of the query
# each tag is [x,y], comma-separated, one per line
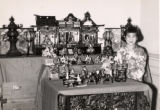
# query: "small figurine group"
[49,50]
[85,77]
[80,60]
[106,70]
[100,76]
[96,77]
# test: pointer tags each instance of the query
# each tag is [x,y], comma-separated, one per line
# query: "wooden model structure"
[46,30]
[70,33]
[89,33]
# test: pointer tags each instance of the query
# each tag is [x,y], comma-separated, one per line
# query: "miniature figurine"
[73,60]
[52,52]
[63,70]
[90,49]
[79,61]
[76,55]
[62,39]
[63,51]
[107,65]
[63,60]
[84,73]
[78,79]
[47,41]
[67,75]
[92,78]
[46,52]
[88,59]
[87,78]
[87,40]
[98,60]
[97,76]
[85,69]
[72,71]
[91,61]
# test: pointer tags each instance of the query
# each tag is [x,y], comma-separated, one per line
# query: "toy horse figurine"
[79,61]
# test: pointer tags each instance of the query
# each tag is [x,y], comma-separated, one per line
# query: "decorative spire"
[129,24]
[70,16]
[11,19]
[87,20]
[12,24]
[87,15]
[13,34]
[129,20]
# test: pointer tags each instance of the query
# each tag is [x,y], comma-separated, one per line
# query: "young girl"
[133,54]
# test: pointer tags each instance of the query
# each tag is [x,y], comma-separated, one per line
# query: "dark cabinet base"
[107,101]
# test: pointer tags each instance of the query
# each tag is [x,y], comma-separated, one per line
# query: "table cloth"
[20,69]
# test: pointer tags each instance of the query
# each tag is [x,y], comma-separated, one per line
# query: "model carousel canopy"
[69,31]
[89,30]
[46,20]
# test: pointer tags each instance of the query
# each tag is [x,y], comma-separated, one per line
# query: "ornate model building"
[46,32]
[69,33]
[89,30]
[89,33]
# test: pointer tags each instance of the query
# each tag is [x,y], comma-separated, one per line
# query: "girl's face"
[131,38]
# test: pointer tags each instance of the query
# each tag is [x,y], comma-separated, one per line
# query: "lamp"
[12,33]
[107,36]
[29,37]
[107,42]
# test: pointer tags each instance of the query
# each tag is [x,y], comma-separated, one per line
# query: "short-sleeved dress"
[136,60]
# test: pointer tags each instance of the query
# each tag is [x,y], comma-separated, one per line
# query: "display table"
[56,96]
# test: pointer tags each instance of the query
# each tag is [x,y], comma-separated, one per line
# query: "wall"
[112,13]
[149,22]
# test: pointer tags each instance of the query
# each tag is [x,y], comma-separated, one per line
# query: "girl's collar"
[131,48]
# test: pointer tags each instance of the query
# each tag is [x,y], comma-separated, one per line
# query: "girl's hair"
[133,29]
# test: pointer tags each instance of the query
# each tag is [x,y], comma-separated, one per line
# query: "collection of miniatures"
[82,69]
[97,70]
[87,69]
[97,77]
[80,59]
[85,77]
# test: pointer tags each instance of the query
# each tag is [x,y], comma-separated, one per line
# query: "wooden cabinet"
[19,95]
[24,104]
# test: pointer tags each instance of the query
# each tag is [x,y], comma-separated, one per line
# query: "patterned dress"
[136,60]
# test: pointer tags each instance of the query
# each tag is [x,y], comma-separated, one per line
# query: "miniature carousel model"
[46,33]
[89,34]
[69,33]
